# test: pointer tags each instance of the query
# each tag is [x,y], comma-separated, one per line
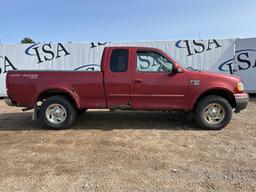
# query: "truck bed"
[27,86]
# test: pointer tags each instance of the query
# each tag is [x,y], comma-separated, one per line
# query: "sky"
[125,20]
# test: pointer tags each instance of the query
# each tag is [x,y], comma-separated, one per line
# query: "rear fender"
[59,90]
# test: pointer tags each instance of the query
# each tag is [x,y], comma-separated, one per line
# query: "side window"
[119,60]
[149,61]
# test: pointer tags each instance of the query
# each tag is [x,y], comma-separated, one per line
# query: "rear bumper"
[242,100]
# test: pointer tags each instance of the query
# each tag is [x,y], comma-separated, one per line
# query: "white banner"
[206,55]
[245,63]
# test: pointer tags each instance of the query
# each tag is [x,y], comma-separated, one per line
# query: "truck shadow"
[104,120]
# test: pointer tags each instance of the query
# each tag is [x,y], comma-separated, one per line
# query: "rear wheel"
[57,113]
[213,112]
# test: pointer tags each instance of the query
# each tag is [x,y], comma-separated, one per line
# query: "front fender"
[208,90]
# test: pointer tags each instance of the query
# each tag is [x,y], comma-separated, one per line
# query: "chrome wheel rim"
[214,113]
[56,114]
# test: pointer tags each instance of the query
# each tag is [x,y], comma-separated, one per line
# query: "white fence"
[235,56]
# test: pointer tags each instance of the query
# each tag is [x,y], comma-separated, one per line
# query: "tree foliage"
[26,40]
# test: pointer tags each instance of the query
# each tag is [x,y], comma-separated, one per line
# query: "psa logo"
[244,60]
[195,47]
[7,64]
[98,44]
[46,52]
[88,67]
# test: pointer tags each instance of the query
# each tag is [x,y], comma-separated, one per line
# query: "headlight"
[240,87]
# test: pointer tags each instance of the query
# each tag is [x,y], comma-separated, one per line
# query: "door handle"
[138,80]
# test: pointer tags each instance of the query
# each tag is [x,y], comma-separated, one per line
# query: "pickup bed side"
[85,88]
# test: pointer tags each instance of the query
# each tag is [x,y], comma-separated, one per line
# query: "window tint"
[119,60]
[149,61]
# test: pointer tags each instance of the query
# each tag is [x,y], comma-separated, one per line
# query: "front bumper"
[242,100]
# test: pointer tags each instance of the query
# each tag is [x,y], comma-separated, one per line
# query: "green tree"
[26,40]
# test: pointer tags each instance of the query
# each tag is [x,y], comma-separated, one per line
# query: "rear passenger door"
[117,78]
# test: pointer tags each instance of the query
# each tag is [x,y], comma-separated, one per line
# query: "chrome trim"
[155,95]
[242,98]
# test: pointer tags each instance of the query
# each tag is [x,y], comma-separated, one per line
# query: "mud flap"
[35,114]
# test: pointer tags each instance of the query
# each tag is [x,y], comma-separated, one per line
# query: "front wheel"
[213,112]
[57,113]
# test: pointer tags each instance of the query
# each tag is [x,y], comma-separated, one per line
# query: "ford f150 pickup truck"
[135,78]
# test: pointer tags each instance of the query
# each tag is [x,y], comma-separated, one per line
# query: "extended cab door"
[154,85]
[117,78]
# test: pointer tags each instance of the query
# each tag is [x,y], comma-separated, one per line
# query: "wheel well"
[222,93]
[53,92]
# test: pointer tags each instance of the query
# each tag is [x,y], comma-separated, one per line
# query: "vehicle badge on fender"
[195,82]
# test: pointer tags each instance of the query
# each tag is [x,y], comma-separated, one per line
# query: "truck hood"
[214,75]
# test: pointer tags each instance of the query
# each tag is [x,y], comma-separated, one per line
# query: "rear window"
[119,60]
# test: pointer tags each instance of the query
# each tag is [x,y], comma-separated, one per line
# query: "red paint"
[106,89]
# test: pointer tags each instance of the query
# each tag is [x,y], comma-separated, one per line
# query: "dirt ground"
[127,151]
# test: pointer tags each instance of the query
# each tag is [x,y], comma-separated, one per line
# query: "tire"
[213,112]
[57,113]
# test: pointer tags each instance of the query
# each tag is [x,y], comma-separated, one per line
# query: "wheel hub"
[56,114]
[214,113]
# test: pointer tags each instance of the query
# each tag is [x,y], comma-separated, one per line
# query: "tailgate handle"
[137,80]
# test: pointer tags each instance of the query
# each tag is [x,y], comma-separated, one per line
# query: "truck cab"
[143,78]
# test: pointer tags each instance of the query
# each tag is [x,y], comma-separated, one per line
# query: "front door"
[154,85]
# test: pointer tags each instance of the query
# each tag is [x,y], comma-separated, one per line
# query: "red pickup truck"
[136,78]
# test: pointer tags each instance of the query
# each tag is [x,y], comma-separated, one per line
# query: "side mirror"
[176,69]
